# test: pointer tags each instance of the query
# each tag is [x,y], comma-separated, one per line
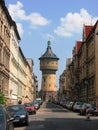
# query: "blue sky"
[61,21]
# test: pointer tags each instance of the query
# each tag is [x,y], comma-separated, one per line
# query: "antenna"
[49,40]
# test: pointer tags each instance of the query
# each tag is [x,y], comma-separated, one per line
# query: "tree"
[39,94]
[2,99]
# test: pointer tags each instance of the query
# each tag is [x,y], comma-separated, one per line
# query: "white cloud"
[16,11]
[37,20]
[73,23]
[18,14]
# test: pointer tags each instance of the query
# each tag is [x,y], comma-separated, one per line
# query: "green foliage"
[38,94]
[2,99]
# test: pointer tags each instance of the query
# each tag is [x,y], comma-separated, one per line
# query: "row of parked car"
[19,113]
[32,107]
[80,107]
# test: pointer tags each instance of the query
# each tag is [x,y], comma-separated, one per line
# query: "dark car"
[31,108]
[19,113]
[6,121]
[96,111]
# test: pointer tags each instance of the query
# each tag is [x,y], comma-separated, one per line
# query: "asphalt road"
[54,117]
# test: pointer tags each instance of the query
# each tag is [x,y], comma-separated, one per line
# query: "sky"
[60,21]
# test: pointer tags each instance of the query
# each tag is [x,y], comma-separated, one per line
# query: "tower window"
[49,85]
[44,79]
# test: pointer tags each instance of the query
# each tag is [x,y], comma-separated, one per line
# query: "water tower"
[48,66]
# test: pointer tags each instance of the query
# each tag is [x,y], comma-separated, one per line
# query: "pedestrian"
[88,113]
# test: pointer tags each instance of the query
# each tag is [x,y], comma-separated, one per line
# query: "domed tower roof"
[49,53]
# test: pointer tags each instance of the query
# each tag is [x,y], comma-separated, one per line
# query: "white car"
[77,106]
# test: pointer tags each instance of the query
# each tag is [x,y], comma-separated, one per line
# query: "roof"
[16,30]
[78,45]
[2,3]
[87,30]
[49,53]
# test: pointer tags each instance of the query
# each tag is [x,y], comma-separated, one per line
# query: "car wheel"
[35,112]
[27,123]
[80,112]
[96,114]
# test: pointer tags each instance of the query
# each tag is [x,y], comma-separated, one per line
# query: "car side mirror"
[10,119]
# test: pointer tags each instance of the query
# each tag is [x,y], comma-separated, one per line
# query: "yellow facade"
[28,90]
[5,25]
[15,73]
[49,82]
[14,48]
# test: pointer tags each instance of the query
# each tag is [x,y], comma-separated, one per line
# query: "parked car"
[71,104]
[6,121]
[62,102]
[67,104]
[77,106]
[39,100]
[37,104]
[84,108]
[31,108]
[57,102]
[19,113]
[96,111]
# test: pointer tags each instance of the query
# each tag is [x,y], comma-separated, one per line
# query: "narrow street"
[54,117]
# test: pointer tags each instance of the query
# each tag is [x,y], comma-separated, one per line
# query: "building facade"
[82,72]
[14,49]
[16,74]
[87,58]
[34,79]
[5,25]
[62,86]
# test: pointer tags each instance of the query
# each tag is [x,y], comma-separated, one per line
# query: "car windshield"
[79,103]
[32,103]
[28,104]
[1,115]
[15,108]
[88,105]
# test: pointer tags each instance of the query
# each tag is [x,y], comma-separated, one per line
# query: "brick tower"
[48,66]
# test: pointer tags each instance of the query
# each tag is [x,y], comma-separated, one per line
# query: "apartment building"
[83,77]
[34,79]
[62,86]
[14,49]
[5,26]
[16,74]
